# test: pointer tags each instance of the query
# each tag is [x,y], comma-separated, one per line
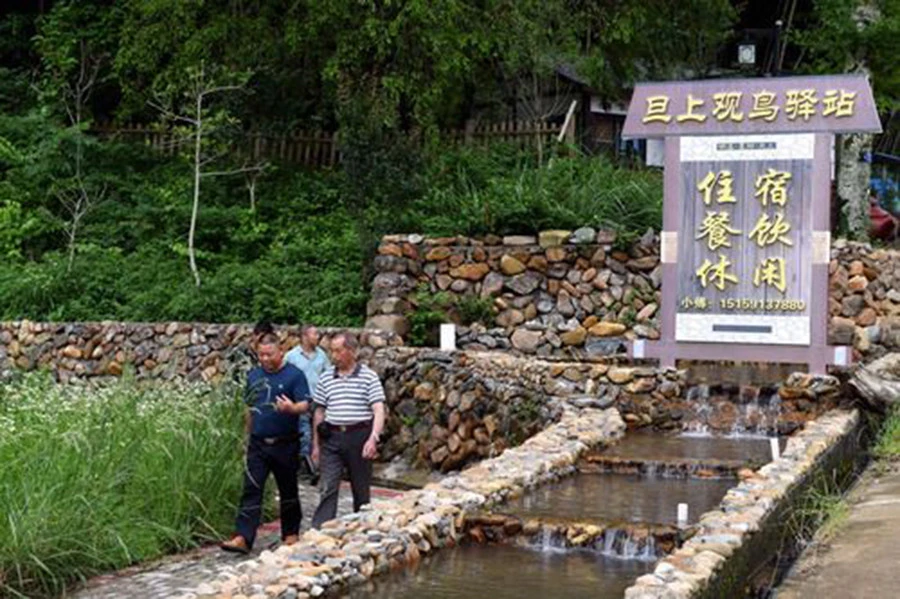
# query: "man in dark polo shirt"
[277,394]
[349,418]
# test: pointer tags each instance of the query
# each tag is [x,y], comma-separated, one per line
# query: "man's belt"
[346,428]
[276,440]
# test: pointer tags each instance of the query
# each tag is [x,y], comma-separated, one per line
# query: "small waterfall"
[546,539]
[774,412]
[622,543]
[609,541]
[699,398]
[758,417]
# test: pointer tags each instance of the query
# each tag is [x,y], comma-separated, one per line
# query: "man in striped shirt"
[349,418]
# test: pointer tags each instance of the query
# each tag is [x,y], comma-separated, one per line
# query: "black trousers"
[281,461]
[342,450]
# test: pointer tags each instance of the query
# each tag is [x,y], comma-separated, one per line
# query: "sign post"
[746,238]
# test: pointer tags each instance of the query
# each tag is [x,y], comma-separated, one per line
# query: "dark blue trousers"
[282,461]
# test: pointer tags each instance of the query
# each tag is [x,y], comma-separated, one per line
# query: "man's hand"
[284,405]
[370,449]
[314,454]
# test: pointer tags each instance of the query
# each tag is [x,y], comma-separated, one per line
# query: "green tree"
[75,43]
[161,39]
[858,36]
[204,129]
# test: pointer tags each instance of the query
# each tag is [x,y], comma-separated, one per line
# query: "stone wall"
[557,294]
[447,409]
[167,351]
[864,300]
[575,295]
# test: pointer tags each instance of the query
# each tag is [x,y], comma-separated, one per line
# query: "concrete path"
[173,576]
[863,560]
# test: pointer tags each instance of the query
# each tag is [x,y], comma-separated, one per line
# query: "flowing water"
[508,572]
[655,446]
[620,498]
[627,504]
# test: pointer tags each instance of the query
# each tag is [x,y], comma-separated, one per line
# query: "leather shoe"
[237,544]
[290,540]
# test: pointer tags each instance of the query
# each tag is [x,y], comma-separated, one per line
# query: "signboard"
[744,270]
[833,104]
[746,216]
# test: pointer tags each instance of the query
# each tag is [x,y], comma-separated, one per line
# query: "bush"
[303,252]
[472,309]
[431,310]
[97,479]
[483,194]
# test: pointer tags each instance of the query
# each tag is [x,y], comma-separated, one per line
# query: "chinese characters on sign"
[763,105]
[743,254]
[745,242]
[715,229]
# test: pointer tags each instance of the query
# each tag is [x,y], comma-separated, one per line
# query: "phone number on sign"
[777,305]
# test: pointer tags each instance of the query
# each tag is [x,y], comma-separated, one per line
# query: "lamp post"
[776,59]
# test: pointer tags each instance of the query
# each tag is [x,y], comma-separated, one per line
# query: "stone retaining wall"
[560,292]
[864,299]
[167,351]
[575,295]
[392,533]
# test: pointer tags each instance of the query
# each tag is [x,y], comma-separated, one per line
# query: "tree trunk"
[251,189]
[196,207]
[72,232]
[853,175]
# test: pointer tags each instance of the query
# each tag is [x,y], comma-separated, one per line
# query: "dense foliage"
[94,228]
[299,254]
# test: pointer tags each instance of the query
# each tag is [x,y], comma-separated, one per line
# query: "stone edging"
[391,533]
[690,571]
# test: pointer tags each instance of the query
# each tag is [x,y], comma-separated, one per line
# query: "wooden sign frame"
[841,103]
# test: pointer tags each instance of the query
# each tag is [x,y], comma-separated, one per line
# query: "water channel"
[616,501]
[508,572]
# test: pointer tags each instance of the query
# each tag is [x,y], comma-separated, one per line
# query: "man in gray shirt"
[349,418]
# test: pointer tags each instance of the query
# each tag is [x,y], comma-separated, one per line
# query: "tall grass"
[93,479]
[483,194]
[887,447]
